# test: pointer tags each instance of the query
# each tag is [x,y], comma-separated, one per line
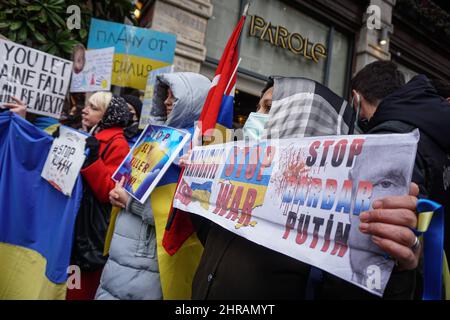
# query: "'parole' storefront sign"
[280,36]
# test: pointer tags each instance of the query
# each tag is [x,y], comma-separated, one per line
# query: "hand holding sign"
[184,159]
[19,108]
[390,223]
[118,196]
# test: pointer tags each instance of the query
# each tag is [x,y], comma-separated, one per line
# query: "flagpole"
[233,74]
[247,6]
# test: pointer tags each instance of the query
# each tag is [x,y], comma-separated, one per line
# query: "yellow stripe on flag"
[424,221]
[177,271]
[22,276]
[112,225]
[446,274]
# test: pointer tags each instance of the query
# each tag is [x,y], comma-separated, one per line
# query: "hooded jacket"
[132,270]
[417,105]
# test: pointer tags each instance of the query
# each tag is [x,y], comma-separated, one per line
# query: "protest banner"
[302,197]
[96,73]
[146,117]
[37,78]
[149,159]
[138,51]
[65,159]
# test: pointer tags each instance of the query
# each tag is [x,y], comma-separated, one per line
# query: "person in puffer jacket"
[132,271]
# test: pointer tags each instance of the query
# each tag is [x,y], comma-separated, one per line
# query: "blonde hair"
[101,100]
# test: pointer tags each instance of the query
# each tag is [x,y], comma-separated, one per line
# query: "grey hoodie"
[190,91]
[132,270]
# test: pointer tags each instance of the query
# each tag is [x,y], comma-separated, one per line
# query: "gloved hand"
[93,145]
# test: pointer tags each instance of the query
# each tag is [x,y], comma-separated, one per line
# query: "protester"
[72,115]
[105,115]
[262,273]
[132,132]
[391,107]
[132,270]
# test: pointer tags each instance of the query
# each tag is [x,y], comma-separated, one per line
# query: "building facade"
[325,40]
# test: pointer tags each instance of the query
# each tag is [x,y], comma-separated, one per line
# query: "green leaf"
[15,25]
[31,26]
[57,2]
[3,25]
[83,33]
[43,17]
[52,50]
[34,8]
[12,36]
[22,34]
[57,19]
[39,37]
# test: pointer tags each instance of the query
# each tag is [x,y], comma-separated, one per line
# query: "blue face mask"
[254,126]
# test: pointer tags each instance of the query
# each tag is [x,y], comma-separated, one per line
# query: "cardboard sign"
[303,197]
[138,51]
[149,159]
[37,78]
[65,159]
[96,73]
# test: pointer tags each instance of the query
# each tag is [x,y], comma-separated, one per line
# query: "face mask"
[361,125]
[254,126]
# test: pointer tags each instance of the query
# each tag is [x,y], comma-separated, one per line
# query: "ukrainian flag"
[36,220]
[176,269]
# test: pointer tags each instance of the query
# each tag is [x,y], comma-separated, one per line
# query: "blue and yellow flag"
[36,220]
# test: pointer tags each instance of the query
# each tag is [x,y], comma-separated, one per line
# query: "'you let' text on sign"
[39,79]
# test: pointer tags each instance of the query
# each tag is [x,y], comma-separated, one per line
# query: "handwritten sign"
[97,72]
[65,160]
[39,79]
[138,51]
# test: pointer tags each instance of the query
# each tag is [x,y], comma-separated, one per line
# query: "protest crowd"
[110,191]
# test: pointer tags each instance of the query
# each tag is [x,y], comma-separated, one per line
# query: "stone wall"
[187,19]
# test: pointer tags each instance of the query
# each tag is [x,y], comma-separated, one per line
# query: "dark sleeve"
[202,227]
[419,176]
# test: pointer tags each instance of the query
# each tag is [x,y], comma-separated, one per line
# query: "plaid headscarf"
[302,107]
[116,114]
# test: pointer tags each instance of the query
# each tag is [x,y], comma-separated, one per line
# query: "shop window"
[279,39]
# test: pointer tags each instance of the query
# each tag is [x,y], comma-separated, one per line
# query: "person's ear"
[356,98]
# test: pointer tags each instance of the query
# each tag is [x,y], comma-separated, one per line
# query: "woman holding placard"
[135,270]
[105,116]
